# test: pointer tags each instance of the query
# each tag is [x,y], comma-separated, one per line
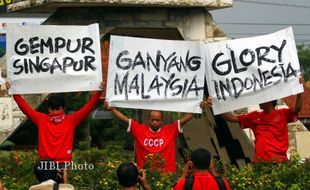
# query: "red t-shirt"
[150,142]
[56,139]
[271,133]
[203,180]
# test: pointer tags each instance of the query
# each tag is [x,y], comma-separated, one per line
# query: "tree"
[304,59]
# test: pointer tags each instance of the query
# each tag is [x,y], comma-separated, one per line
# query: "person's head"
[201,159]
[268,105]
[55,103]
[155,120]
[45,170]
[127,174]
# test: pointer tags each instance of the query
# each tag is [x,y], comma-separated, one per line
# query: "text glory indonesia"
[276,72]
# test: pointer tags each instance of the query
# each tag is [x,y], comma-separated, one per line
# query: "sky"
[248,18]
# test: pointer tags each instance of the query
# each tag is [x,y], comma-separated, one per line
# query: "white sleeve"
[180,128]
[129,125]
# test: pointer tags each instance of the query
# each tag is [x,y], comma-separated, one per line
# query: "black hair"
[127,174]
[47,169]
[274,103]
[161,113]
[56,101]
[201,158]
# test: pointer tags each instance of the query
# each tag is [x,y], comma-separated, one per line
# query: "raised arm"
[203,105]
[82,113]
[186,118]
[230,117]
[116,112]
[299,100]
[24,106]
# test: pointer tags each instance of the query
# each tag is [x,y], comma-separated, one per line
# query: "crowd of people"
[56,136]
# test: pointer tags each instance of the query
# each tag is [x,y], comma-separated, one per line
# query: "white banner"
[156,74]
[249,71]
[46,58]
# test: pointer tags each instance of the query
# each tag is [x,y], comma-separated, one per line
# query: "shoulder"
[222,183]
[287,113]
[50,186]
[41,187]
[66,186]
[135,124]
[284,110]
[176,123]
[249,115]
[172,127]
[179,184]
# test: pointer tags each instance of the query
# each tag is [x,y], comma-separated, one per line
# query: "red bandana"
[56,117]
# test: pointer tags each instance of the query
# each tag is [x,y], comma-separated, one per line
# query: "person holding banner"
[56,129]
[154,138]
[270,128]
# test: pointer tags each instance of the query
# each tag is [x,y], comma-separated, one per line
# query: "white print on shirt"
[153,142]
[68,151]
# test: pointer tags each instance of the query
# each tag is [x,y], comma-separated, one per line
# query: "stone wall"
[48,5]
[298,133]
[193,24]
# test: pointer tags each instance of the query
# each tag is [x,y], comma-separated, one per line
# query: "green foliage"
[304,59]
[158,180]
[16,171]
[105,163]
[263,176]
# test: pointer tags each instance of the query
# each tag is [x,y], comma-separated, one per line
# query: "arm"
[187,170]
[230,117]
[186,118]
[298,103]
[143,182]
[65,176]
[82,113]
[24,107]
[117,113]
[212,169]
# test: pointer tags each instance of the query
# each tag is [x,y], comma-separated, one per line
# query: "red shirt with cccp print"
[148,142]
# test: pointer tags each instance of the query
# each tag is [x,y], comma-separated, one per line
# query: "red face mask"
[56,117]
